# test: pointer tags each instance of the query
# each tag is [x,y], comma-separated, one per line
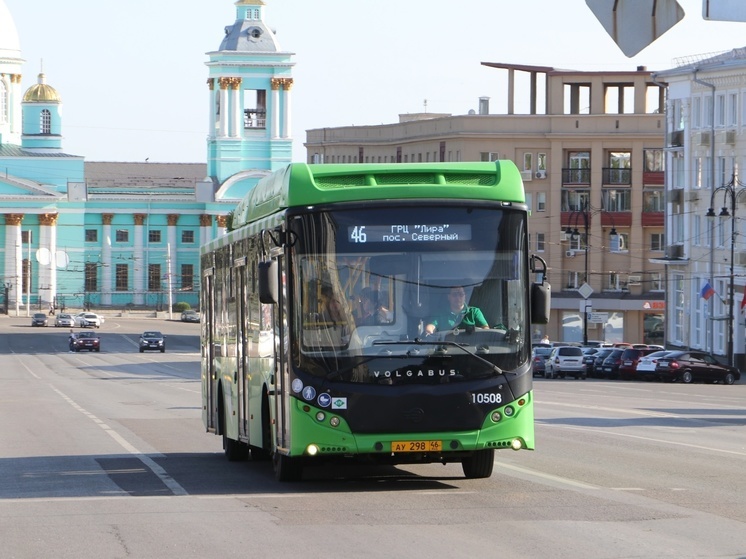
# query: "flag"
[707,291]
[743,301]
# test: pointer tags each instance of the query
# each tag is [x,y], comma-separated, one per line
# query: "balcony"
[616,219]
[652,219]
[616,177]
[576,177]
[653,178]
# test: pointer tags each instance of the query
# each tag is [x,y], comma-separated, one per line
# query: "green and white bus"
[294,369]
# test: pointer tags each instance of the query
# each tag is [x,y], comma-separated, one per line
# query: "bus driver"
[459,314]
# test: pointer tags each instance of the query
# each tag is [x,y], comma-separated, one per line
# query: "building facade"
[114,235]
[705,151]
[591,151]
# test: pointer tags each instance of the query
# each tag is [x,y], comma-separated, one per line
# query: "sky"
[132,75]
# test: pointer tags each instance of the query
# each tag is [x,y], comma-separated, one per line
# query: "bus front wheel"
[479,464]
[287,468]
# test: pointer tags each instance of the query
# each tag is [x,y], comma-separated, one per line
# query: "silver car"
[565,361]
[64,319]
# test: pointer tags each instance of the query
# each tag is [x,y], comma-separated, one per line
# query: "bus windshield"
[410,294]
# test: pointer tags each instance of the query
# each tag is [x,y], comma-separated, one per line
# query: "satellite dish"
[43,256]
[62,259]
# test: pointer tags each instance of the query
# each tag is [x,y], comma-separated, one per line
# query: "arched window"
[46,121]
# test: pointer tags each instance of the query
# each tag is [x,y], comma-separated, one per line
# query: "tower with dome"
[112,236]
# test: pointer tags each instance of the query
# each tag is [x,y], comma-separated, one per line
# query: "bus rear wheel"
[479,464]
[287,468]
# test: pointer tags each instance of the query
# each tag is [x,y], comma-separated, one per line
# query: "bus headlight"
[334,422]
[312,450]
[320,416]
[496,417]
[516,444]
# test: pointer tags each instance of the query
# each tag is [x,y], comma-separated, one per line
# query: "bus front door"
[281,380]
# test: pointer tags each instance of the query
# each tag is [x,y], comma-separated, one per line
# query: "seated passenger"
[371,312]
[458,315]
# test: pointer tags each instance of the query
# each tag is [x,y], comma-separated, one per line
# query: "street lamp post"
[8,285]
[729,196]
[574,234]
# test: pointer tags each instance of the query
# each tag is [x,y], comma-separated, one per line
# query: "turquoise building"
[75,233]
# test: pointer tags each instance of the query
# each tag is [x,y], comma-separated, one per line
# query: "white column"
[275,107]
[223,127]
[212,121]
[107,265]
[237,113]
[139,261]
[287,110]
[13,256]
[48,271]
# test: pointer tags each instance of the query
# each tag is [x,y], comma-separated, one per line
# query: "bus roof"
[301,184]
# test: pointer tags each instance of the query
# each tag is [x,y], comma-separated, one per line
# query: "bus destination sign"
[409,233]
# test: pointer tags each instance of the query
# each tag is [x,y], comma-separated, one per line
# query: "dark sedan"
[152,340]
[84,340]
[539,357]
[612,363]
[689,366]
[596,370]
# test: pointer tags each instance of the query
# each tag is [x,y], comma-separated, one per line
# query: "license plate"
[416,446]
[607,369]
[628,363]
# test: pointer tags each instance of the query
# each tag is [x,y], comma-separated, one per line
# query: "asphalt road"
[103,455]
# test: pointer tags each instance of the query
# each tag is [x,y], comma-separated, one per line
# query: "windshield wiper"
[417,341]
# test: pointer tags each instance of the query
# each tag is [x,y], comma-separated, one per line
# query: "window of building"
[616,199]
[733,109]
[696,231]
[655,160]
[720,110]
[657,241]
[122,235]
[652,200]
[541,161]
[27,237]
[540,242]
[485,156]
[528,161]
[619,170]
[541,201]
[530,201]
[122,277]
[45,125]
[707,112]
[577,99]
[91,276]
[579,241]
[154,277]
[154,236]
[91,235]
[187,236]
[656,281]
[574,280]
[187,277]
[575,200]
[696,112]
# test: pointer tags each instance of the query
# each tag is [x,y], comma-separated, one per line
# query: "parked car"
[152,340]
[88,320]
[39,319]
[539,356]
[565,361]
[645,369]
[630,357]
[688,366]
[84,340]
[190,316]
[610,368]
[64,319]
[597,371]
[589,356]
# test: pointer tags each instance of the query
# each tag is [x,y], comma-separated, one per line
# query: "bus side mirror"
[268,286]
[541,301]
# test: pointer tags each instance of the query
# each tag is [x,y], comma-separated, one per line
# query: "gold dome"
[41,93]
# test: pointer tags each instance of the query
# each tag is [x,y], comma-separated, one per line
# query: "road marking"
[162,474]
[549,477]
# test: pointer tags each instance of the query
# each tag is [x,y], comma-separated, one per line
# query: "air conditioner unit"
[569,253]
[703,138]
[541,174]
[634,280]
[730,137]
[676,139]
[675,195]
[527,176]
[692,196]
[741,259]
[675,251]
[564,236]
